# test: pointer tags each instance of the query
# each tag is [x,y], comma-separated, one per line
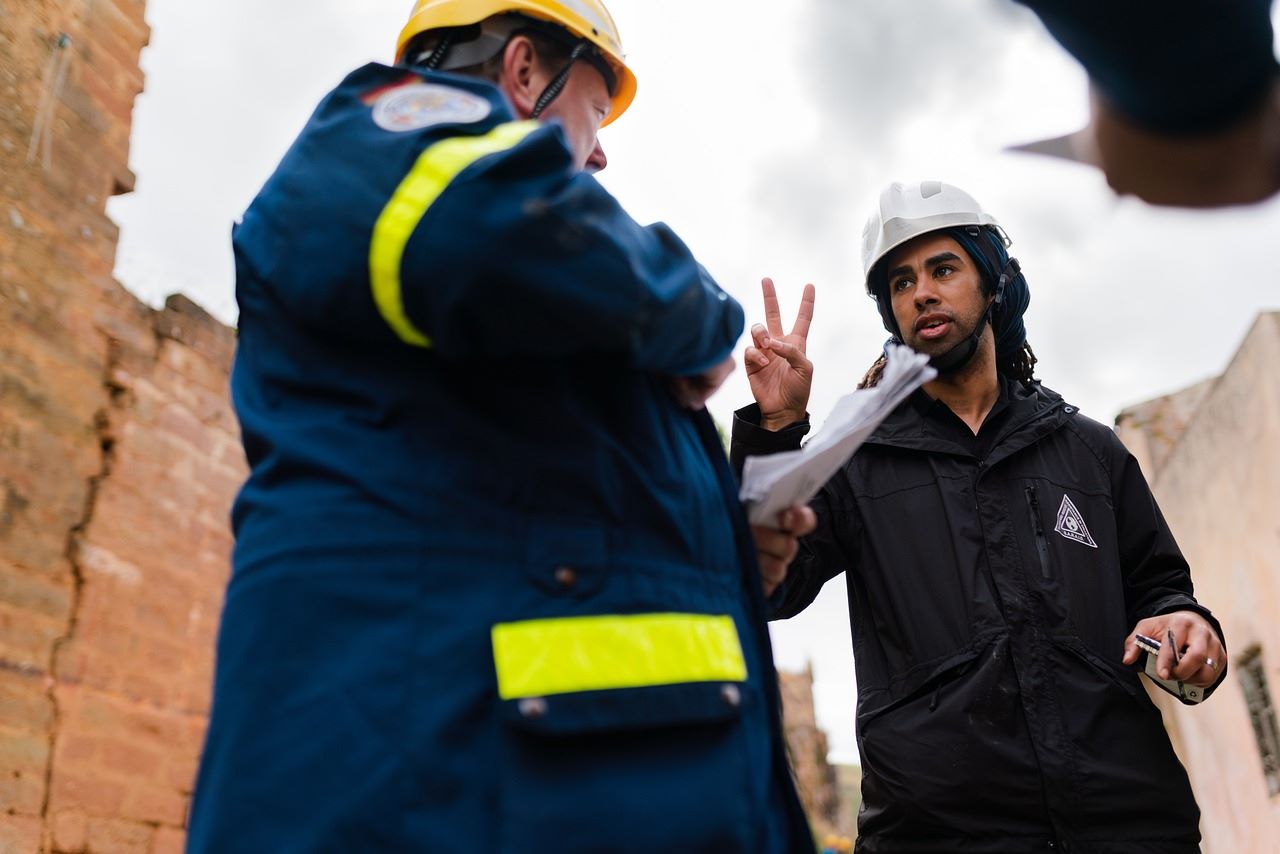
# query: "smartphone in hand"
[1181,690]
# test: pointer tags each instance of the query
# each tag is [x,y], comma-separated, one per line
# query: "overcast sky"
[762,132]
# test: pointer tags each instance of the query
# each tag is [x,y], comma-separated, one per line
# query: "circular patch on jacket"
[421,105]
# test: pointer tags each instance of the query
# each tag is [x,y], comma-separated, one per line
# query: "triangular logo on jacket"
[1071,524]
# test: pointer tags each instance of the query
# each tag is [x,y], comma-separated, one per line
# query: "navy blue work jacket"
[493,590]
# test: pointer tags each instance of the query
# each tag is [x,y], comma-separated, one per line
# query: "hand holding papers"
[774,483]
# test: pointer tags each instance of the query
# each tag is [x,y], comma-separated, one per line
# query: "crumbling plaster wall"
[1213,464]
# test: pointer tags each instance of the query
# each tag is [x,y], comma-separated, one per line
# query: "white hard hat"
[910,210]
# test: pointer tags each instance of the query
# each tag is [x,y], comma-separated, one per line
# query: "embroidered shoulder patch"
[414,106]
[1071,524]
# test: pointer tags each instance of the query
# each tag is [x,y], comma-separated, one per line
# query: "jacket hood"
[1035,411]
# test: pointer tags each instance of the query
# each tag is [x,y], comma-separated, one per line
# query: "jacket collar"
[1034,412]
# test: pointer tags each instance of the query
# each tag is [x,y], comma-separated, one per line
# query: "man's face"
[936,293]
[580,107]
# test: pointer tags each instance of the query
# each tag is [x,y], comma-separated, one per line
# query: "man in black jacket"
[1002,552]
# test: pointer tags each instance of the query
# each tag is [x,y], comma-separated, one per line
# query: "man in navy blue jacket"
[493,589]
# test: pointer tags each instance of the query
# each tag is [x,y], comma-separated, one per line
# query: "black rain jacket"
[989,601]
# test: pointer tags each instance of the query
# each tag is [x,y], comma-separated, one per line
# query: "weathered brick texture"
[807,746]
[118,460]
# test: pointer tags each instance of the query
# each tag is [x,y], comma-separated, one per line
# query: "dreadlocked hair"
[1020,366]
[871,378]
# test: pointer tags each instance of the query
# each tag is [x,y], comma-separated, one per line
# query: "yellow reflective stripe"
[557,656]
[435,168]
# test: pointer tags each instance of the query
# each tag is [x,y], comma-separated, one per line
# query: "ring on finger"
[1213,665]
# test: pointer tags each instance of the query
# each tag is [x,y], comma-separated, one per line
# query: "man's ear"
[519,79]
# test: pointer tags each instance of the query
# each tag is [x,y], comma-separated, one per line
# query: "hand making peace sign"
[779,373]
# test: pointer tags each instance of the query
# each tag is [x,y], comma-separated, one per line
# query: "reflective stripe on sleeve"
[434,169]
[557,656]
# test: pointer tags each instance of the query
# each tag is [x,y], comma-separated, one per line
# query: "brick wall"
[807,747]
[118,460]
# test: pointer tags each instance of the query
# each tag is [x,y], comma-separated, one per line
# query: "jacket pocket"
[623,732]
[929,684]
[1037,525]
[1123,678]
[1115,736]
[919,753]
[567,655]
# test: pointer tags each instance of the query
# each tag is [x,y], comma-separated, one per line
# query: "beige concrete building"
[1212,455]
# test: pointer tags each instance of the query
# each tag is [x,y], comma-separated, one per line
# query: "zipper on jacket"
[1042,544]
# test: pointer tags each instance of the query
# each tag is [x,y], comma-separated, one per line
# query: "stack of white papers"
[772,484]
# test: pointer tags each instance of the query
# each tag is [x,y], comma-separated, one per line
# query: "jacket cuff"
[749,439]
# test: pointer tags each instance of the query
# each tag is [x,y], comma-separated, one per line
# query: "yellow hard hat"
[586,19]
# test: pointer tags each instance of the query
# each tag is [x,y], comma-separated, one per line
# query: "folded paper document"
[772,484]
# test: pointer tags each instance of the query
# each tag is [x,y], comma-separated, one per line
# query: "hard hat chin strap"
[494,33]
[961,354]
[558,82]
[434,59]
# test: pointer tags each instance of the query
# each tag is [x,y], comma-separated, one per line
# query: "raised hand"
[777,368]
